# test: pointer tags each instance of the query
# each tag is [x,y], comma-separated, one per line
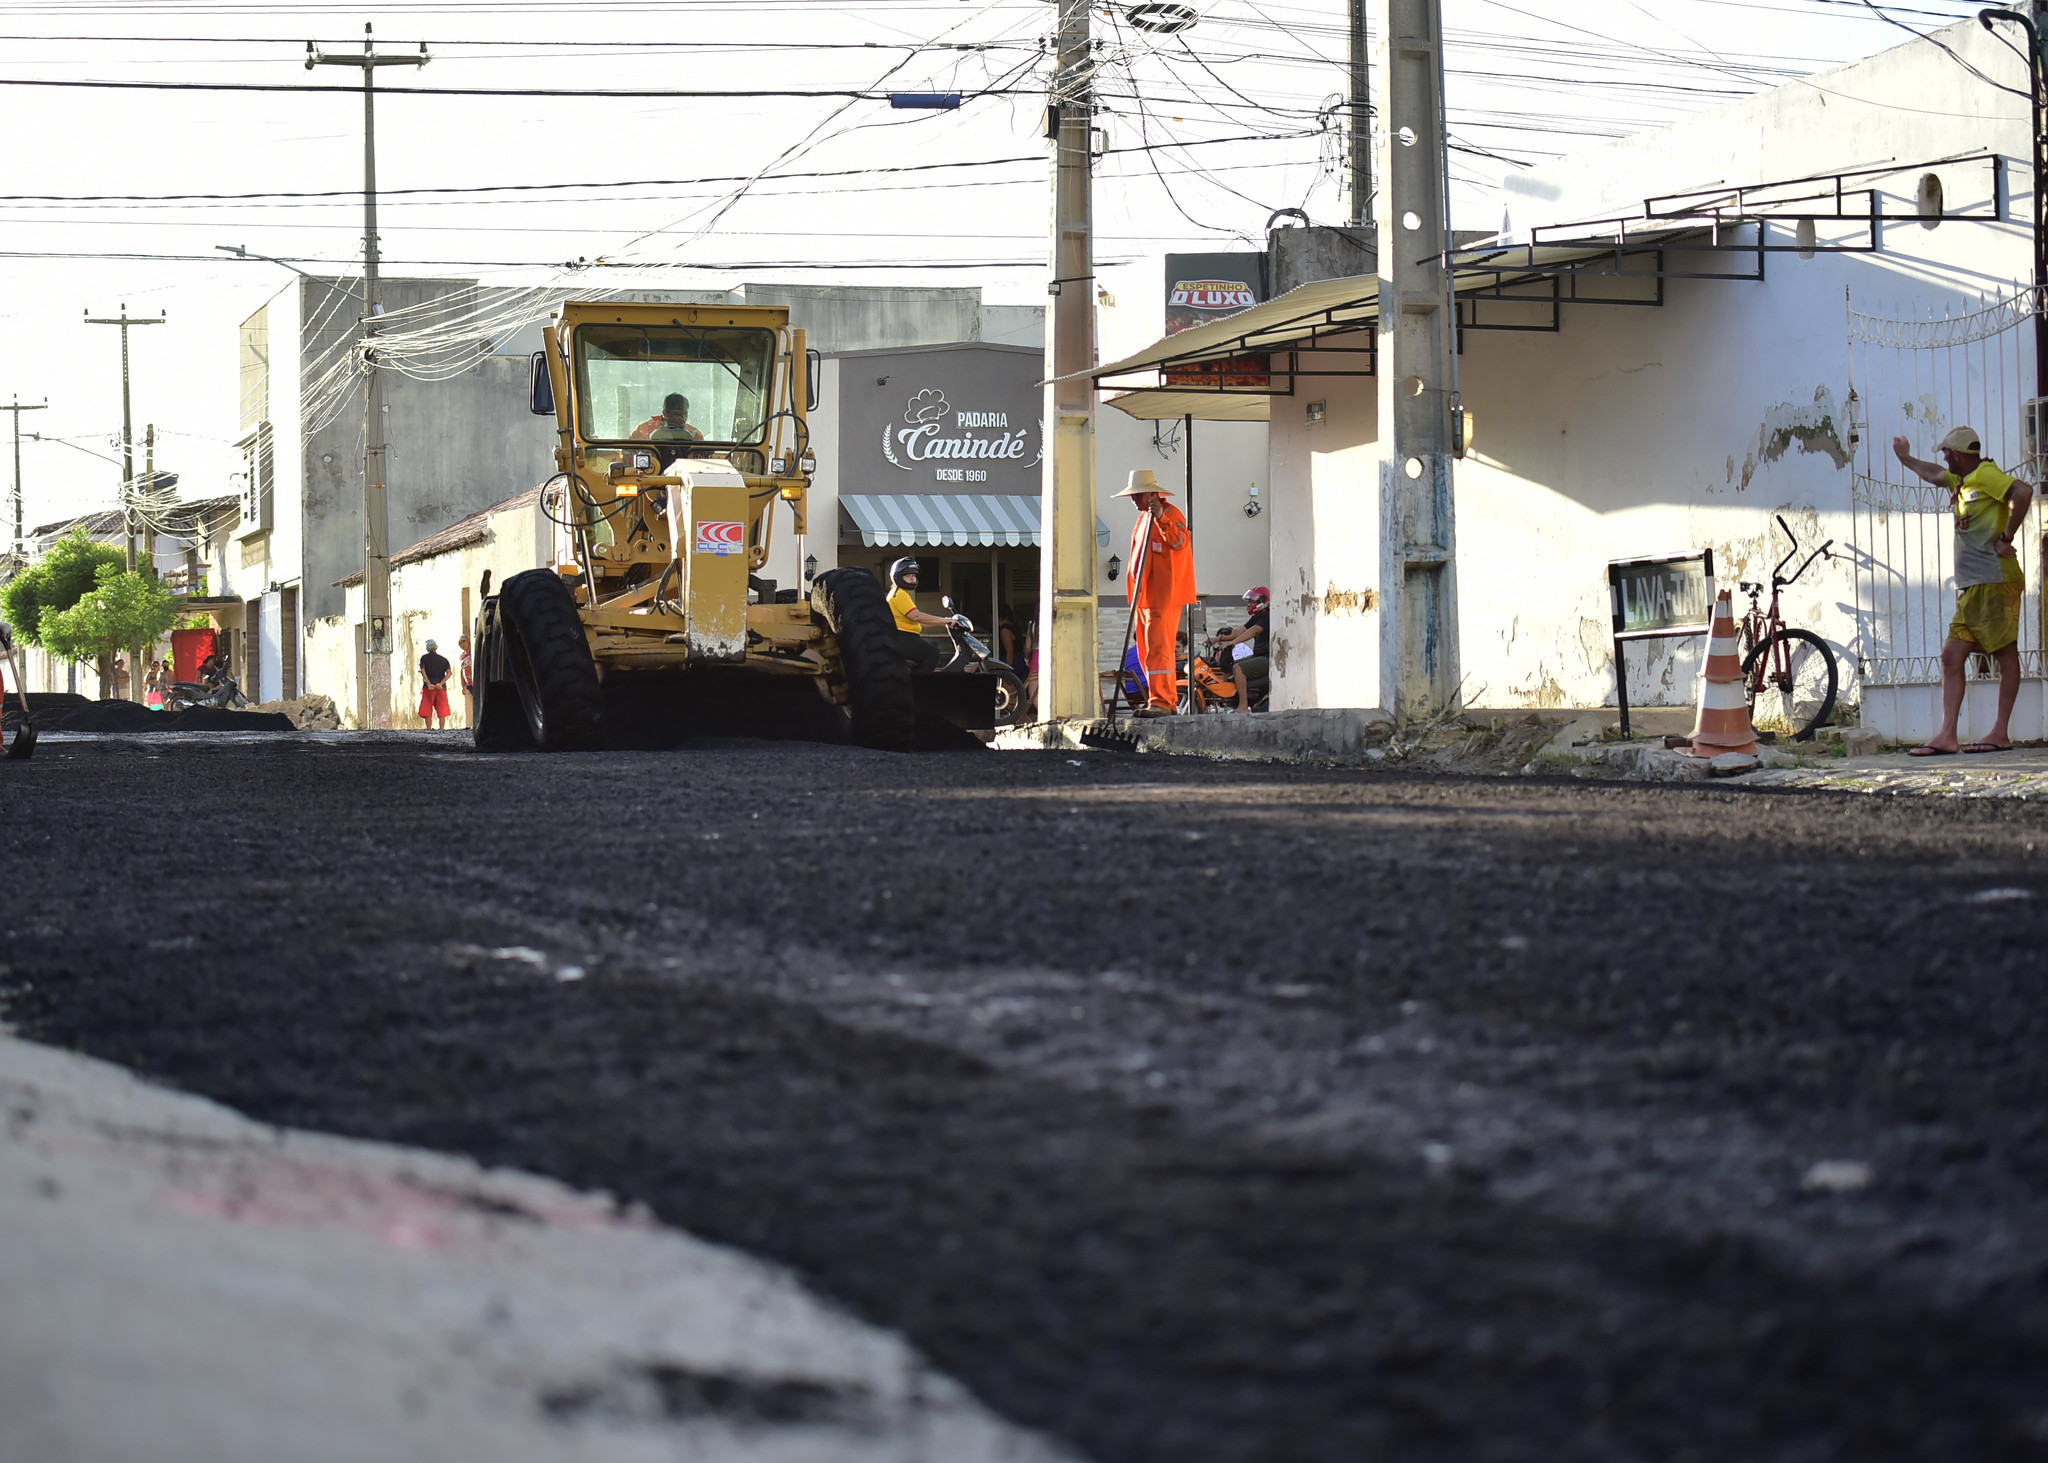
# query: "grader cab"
[684,438]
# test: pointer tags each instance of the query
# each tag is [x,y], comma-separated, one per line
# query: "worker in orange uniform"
[1161,583]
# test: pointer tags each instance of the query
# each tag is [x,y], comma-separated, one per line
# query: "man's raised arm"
[1928,472]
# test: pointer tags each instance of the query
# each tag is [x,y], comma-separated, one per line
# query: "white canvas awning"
[911,519]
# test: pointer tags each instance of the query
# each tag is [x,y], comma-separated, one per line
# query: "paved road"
[1179,1110]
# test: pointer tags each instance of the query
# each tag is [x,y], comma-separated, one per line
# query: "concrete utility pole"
[20,542]
[1417,371]
[135,688]
[376,523]
[1066,607]
[1361,122]
[127,424]
[149,482]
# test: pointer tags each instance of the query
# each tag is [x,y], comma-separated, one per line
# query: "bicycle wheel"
[1791,691]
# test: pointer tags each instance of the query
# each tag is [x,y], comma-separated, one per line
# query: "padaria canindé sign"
[941,419]
[932,431]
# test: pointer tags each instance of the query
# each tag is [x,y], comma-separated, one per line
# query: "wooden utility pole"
[20,541]
[1417,371]
[376,521]
[1360,110]
[1066,610]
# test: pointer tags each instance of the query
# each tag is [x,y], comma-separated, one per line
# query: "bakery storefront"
[940,454]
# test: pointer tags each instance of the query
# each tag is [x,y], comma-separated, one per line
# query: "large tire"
[852,604]
[1804,697]
[548,662]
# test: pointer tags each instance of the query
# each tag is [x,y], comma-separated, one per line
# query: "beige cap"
[1962,439]
[1143,480]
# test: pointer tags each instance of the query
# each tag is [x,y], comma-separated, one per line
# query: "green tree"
[56,582]
[121,611]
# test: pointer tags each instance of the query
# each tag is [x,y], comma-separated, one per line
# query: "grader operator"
[683,430]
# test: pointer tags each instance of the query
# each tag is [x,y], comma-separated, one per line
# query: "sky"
[629,164]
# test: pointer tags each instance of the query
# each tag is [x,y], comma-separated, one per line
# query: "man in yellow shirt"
[1989,505]
[920,652]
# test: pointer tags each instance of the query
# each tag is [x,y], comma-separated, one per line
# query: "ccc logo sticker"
[721,538]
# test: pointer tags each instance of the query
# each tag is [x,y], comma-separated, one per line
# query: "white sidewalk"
[180,1285]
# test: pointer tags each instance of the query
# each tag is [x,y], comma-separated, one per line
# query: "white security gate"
[1919,378]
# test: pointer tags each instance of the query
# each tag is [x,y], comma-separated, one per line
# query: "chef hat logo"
[927,406]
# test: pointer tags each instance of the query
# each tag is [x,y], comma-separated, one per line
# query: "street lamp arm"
[61,442]
[241,253]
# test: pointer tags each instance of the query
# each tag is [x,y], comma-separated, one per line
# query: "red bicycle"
[1790,674]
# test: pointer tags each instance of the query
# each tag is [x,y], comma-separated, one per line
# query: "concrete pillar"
[1417,540]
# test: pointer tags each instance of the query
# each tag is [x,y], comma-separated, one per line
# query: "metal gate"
[1919,378]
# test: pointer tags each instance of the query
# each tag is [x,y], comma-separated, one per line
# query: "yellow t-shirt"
[1982,514]
[901,602]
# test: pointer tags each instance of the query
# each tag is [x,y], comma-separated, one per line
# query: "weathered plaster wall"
[1639,431]
[1325,544]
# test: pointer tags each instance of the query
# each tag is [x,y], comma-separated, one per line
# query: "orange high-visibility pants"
[1154,633]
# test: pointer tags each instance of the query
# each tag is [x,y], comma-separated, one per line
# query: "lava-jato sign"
[718,538]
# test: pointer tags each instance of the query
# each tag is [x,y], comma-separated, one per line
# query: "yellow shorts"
[1988,616]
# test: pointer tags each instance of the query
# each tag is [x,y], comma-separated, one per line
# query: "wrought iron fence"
[1919,378]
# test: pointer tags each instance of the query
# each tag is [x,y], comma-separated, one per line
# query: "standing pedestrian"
[1990,581]
[1162,544]
[434,673]
[468,682]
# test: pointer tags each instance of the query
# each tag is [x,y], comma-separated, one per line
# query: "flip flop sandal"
[1931,752]
[1986,747]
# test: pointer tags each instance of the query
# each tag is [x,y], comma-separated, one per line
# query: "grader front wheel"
[546,665]
[851,602]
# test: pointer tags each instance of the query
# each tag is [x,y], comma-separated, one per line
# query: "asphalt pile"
[63,711]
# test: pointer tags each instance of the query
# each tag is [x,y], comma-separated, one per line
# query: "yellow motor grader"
[682,428]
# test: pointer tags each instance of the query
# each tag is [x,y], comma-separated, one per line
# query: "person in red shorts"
[434,673]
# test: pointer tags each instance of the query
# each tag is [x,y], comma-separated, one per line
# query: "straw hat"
[1143,480]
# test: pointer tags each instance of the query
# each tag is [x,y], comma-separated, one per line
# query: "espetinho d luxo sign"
[1202,289]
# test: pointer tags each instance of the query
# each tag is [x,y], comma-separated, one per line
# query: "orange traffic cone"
[1722,724]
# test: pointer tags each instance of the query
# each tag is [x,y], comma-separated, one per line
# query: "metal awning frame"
[1561,264]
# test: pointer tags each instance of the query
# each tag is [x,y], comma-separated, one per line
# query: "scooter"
[1214,685]
[972,658]
[219,689]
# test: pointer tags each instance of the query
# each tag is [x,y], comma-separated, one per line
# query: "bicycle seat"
[1747,588]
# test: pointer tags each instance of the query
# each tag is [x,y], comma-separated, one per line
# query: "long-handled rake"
[24,743]
[1136,576]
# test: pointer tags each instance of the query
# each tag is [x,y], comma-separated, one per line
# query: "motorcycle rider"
[920,652]
[1247,645]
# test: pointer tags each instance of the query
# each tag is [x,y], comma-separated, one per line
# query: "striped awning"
[988,519]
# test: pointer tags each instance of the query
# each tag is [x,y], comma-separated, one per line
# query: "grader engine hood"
[710,527]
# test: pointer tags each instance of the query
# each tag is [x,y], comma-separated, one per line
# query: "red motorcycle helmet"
[1257,599]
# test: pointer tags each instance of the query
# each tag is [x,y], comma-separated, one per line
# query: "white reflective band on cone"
[1725,696]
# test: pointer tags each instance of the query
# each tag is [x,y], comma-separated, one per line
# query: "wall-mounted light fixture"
[810,567]
[1114,567]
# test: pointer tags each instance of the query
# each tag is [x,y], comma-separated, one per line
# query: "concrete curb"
[1316,738]
[2026,786]
[181,1285]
